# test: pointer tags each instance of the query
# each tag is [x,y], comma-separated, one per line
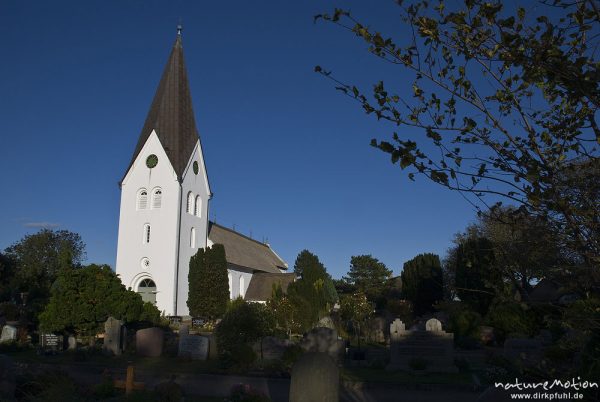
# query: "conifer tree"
[422,281]
[208,283]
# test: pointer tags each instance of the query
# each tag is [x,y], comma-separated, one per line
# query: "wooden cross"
[128,384]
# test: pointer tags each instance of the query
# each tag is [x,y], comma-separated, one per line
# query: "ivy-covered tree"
[83,298]
[422,282]
[208,283]
[370,276]
[503,105]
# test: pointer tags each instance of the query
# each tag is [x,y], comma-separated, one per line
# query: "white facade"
[164,255]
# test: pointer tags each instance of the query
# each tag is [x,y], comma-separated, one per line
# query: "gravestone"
[486,335]
[9,334]
[315,377]
[324,340]
[174,320]
[7,379]
[433,325]
[197,322]
[529,351]
[326,322]
[72,342]
[194,347]
[271,348]
[113,336]
[377,329]
[184,330]
[52,342]
[149,342]
[433,348]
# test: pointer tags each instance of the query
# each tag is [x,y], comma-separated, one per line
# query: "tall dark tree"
[208,283]
[422,282]
[505,98]
[314,289]
[369,276]
[7,272]
[83,298]
[476,280]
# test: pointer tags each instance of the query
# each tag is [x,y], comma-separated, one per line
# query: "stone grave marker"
[324,340]
[326,322]
[197,322]
[72,342]
[149,342]
[271,348]
[315,377]
[433,347]
[52,342]
[113,336]
[194,347]
[184,330]
[174,319]
[529,351]
[9,334]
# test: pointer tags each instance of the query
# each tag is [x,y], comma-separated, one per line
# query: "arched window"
[147,289]
[198,206]
[193,238]
[146,239]
[142,199]
[242,286]
[156,198]
[230,286]
[190,203]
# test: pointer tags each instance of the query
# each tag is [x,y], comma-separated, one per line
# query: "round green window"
[152,161]
[195,167]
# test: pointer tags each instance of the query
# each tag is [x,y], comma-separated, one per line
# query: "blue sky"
[287,155]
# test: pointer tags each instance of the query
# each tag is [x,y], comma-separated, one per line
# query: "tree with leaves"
[208,283]
[356,309]
[506,96]
[370,276]
[83,298]
[422,282]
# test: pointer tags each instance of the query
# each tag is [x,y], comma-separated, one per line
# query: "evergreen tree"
[83,298]
[369,276]
[208,283]
[422,282]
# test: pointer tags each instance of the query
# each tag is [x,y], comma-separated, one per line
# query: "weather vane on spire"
[179,28]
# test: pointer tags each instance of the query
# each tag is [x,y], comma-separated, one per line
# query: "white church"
[165,197]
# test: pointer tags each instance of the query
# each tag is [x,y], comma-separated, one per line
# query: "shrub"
[509,318]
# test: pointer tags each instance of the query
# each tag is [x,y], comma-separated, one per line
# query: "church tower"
[164,196]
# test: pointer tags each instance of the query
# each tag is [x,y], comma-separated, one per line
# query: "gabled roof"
[261,285]
[171,114]
[245,252]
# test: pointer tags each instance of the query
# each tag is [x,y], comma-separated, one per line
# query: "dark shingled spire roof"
[171,114]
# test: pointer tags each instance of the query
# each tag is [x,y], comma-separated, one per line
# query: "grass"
[365,374]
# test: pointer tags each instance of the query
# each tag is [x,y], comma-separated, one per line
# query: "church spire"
[171,114]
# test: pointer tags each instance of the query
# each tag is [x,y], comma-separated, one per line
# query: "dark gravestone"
[194,347]
[197,322]
[149,342]
[174,319]
[323,340]
[432,348]
[113,343]
[315,377]
[271,348]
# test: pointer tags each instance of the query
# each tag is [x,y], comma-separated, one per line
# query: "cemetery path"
[276,388]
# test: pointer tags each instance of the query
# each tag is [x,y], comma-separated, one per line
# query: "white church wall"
[197,184]
[236,278]
[161,250]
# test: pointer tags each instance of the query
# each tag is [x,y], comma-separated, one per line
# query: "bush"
[243,324]
[509,318]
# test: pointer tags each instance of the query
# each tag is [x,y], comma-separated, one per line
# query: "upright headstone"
[315,377]
[194,347]
[72,342]
[184,330]
[52,342]
[271,348]
[9,334]
[149,342]
[323,340]
[112,336]
[326,322]
[433,325]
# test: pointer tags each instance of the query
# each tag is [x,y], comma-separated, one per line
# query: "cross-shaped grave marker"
[129,384]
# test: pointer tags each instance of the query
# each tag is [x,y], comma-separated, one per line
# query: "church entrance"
[147,289]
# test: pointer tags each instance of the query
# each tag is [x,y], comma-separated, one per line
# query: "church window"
[198,206]
[190,203]
[146,233]
[156,198]
[145,263]
[142,199]
[230,286]
[242,290]
[193,238]
[195,167]
[147,289]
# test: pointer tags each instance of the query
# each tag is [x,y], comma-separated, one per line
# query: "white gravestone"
[433,325]
[9,334]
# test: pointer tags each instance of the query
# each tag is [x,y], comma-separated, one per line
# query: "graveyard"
[463,266]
